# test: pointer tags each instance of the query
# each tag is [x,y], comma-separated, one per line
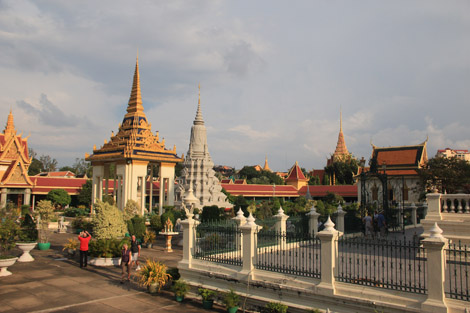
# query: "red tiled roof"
[397,157]
[322,190]
[226,181]
[42,185]
[295,173]
[261,190]
[240,182]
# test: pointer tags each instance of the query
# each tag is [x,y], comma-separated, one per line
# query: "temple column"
[142,194]
[151,189]
[3,198]
[27,196]
[160,198]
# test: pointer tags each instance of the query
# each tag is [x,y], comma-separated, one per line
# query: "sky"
[274,75]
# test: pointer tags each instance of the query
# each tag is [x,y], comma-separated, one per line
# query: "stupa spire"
[10,127]
[266,165]
[199,120]
[341,148]
[135,100]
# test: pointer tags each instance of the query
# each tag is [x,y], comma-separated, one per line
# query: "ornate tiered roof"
[266,165]
[341,149]
[14,158]
[134,140]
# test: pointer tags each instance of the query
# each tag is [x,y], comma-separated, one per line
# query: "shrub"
[8,230]
[59,197]
[206,294]
[180,288]
[45,210]
[29,232]
[74,212]
[231,299]
[174,273]
[275,307]
[136,226]
[168,214]
[107,248]
[82,223]
[210,213]
[108,221]
[156,223]
[131,209]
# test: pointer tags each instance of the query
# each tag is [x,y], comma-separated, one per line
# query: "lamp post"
[362,163]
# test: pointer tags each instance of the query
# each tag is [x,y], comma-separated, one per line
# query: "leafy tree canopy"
[263,177]
[84,197]
[449,175]
[59,197]
[343,171]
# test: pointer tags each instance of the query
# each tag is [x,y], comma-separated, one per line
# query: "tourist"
[84,238]
[135,249]
[126,261]
[381,224]
[369,228]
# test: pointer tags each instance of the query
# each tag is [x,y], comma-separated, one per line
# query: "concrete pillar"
[189,238]
[27,196]
[434,246]
[313,221]
[160,198]
[434,206]
[329,248]
[143,188]
[240,219]
[3,198]
[281,219]
[249,247]
[340,221]
[151,189]
[414,210]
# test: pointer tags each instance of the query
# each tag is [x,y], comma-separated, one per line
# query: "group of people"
[129,257]
[375,226]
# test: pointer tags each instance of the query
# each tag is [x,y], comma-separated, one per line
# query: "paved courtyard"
[55,283]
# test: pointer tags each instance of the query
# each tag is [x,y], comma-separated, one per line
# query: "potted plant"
[149,237]
[207,296]
[45,211]
[71,246]
[275,307]
[28,237]
[153,275]
[106,252]
[8,234]
[180,288]
[231,300]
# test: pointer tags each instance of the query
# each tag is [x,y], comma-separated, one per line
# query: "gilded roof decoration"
[134,139]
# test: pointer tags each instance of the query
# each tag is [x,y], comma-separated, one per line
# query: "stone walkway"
[55,283]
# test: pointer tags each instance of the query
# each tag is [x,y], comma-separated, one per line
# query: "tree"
[84,197]
[59,197]
[449,175]
[314,180]
[48,164]
[108,221]
[82,167]
[343,171]
[241,203]
[36,166]
[67,168]
[131,209]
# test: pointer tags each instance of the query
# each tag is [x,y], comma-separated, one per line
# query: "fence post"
[340,220]
[435,276]
[189,238]
[329,245]
[249,246]
[313,221]
[434,207]
[240,219]
[281,219]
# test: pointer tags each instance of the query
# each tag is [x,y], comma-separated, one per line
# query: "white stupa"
[199,168]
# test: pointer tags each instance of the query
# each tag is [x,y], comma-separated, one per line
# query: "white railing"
[455,203]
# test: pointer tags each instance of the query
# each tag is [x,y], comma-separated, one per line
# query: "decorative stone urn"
[4,263]
[26,247]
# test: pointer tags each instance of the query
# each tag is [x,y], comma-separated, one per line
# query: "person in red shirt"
[84,239]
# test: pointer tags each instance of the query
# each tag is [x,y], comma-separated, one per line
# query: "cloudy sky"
[273,74]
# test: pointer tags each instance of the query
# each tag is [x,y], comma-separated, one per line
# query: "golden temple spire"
[10,127]
[198,120]
[266,166]
[341,148]
[135,100]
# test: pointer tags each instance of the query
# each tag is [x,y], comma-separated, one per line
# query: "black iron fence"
[397,265]
[458,261]
[219,243]
[290,253]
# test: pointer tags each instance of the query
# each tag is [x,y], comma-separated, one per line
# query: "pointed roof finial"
[341,119]
[266,165]
[341,148]
[198,120]
[135,100]
[10,127]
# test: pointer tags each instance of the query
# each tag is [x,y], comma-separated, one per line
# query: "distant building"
[65,174]
[451,153]
[341,152]
[224,170]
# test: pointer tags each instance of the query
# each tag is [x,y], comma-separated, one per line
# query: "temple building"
[15,184]
[397,166]
[198,176]
[134,151]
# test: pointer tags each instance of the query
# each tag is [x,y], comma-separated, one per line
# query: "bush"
[108,221]
[136,226]
[275,307]
[82,223]
[59,197]
[168,214]
[74,212]
[131,209]
[156,223]
[174,273]
[107,248]
[8,230]
[211,213]
[29,232]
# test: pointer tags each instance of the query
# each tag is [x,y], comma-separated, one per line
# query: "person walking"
[381,224]
[84,238]
[367,220]
[135,249]
[126,261]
